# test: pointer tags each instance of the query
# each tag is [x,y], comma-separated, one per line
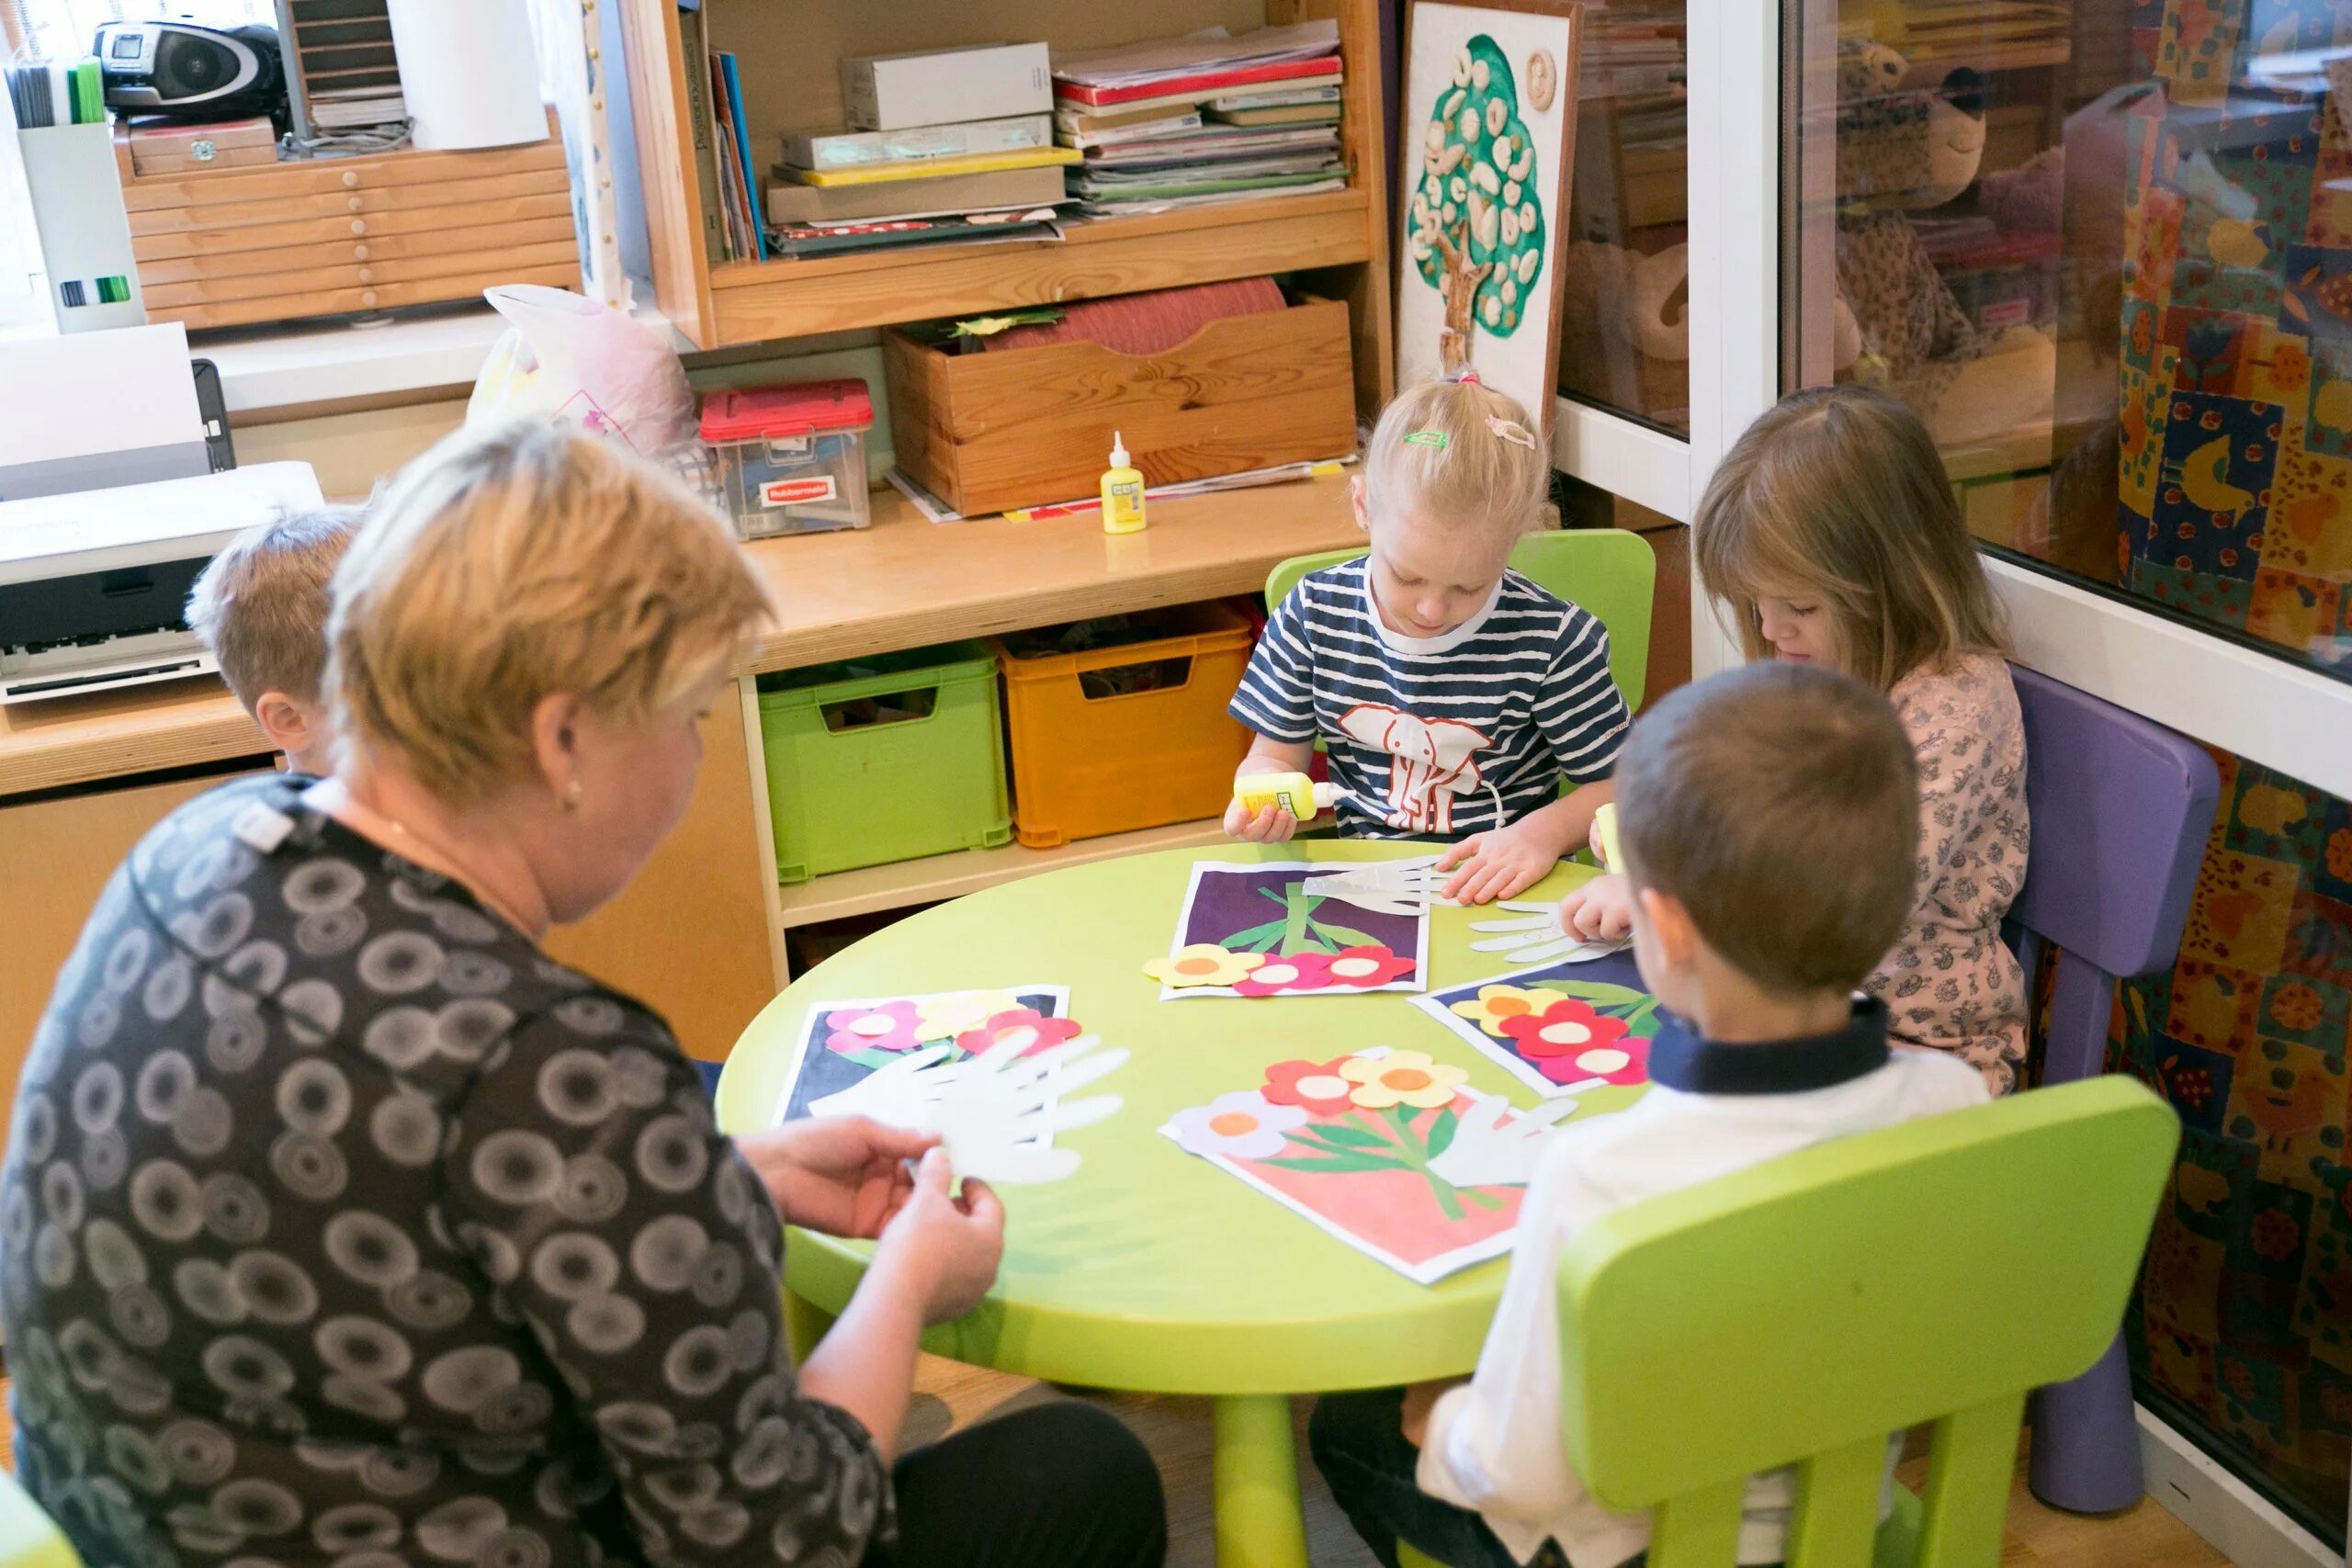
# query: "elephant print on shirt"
[1431,760]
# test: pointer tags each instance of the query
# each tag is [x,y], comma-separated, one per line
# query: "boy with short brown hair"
[1770,820]
[261,607]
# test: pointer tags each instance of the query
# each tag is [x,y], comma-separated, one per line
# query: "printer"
[94,583]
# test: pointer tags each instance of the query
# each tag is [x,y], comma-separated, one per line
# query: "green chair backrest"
[1611,573]
[28,1538]
[1799,1312]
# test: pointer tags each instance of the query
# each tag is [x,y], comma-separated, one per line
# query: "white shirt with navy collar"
[1494,1445]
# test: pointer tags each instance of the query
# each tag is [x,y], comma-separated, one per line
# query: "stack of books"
[851,190]
[1201,119]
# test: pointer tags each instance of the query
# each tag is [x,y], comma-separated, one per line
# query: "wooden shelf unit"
[902,884]
[902,583]
[789,56]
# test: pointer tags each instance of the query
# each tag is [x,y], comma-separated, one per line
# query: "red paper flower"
[1291,972]
[1364,967]
[1569,1042]
[1316,1085]
[891,1027]
[1043,1034]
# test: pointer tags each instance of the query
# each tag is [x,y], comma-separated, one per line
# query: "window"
[2110,264]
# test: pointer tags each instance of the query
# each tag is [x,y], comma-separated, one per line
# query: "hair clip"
[1511,430]
[1426,438]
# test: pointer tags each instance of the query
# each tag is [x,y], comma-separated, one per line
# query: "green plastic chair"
[1800,1312]
[1610,573]
[28,1536]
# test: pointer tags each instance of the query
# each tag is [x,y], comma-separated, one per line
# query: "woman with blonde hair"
[342,1227]
[1829,534]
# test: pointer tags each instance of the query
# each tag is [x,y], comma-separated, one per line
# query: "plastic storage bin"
[1090,755]
[790,460]
[884,758]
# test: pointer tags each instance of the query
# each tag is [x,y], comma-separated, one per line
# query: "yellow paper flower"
[1401,1077]
[959,1012]
[1202,963]
[1497,1005]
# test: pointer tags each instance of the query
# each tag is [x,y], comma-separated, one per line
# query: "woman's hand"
[1502,863]
[1601,910]
[949,1248]
[843,1176]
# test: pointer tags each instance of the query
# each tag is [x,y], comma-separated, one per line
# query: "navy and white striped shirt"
[1438,737]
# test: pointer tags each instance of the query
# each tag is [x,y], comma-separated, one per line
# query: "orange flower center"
[1196,966]
[1233,1123]
[1507,1006]
[1405,1080]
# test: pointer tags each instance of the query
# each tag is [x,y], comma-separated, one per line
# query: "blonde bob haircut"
[512,563]
[1839,492]
[1459,453]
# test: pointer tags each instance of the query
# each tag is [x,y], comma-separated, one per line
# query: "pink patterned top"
[1952,983]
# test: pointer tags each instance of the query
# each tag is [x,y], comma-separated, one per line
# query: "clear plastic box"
[790,460]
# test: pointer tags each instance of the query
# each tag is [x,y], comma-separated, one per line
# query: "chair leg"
[2085,1441]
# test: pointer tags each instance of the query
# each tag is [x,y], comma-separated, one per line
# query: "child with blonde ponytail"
[1453,696]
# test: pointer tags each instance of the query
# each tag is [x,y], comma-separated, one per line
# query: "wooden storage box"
[985,431]
[220,247]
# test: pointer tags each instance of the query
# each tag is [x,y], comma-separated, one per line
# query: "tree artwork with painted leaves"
[1478,228]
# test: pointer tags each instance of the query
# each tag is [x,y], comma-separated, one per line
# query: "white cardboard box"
[855,149]
[943,87]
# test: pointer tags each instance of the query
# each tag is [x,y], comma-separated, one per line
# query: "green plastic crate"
[889,789]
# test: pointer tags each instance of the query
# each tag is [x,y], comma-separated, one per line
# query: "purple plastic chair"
[2121,808]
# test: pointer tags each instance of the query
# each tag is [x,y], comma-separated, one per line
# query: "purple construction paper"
[1226,903]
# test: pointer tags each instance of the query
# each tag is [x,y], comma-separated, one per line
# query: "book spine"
[696,49]
[743,164]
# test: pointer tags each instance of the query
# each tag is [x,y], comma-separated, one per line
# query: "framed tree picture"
[1488,131]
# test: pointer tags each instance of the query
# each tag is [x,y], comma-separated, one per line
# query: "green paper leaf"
[1442,1130]
[1347,936]
[1354,1137]
[1331,1166]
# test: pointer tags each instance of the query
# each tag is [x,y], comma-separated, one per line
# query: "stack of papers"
[1204,118]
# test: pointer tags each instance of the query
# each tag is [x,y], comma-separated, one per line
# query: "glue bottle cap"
[1118,449]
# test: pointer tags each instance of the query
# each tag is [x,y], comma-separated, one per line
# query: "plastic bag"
[577,361]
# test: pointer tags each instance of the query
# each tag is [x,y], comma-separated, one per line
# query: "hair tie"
[1426,438]
[1511,430]
[1467,378]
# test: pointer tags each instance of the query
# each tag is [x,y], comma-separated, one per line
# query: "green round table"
[1151,1269]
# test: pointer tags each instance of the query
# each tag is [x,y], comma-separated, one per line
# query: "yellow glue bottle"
[1294,792]
[1604,837]
[1122,491]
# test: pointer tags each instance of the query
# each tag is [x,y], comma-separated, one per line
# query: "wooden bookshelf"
[902,583]
[789,58]
[903,884]
[753,301]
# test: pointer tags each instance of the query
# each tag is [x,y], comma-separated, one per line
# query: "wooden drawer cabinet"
[220,247]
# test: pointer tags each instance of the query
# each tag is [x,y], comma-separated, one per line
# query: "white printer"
[94,584]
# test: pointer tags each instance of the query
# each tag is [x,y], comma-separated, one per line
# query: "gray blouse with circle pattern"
[343,1227]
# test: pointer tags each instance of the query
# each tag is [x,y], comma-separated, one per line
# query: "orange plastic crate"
[1083,766]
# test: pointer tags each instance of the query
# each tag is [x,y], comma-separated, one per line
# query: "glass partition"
[2105,249]
[1624,346]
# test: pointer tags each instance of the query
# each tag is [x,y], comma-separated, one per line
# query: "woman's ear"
[1355,495]
[555,743]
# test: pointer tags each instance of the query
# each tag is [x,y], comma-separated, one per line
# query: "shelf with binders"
[789,63]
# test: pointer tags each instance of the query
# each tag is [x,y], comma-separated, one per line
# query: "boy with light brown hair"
[261,608]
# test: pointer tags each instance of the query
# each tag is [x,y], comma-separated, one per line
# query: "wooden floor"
[1177,1431]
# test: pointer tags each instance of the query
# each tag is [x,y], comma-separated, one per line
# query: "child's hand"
[1602,910]
[1270,825]
[1500,864]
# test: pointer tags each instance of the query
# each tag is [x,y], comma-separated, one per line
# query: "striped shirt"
[1437,737]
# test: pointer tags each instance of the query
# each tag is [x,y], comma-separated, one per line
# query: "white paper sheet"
[95,392]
